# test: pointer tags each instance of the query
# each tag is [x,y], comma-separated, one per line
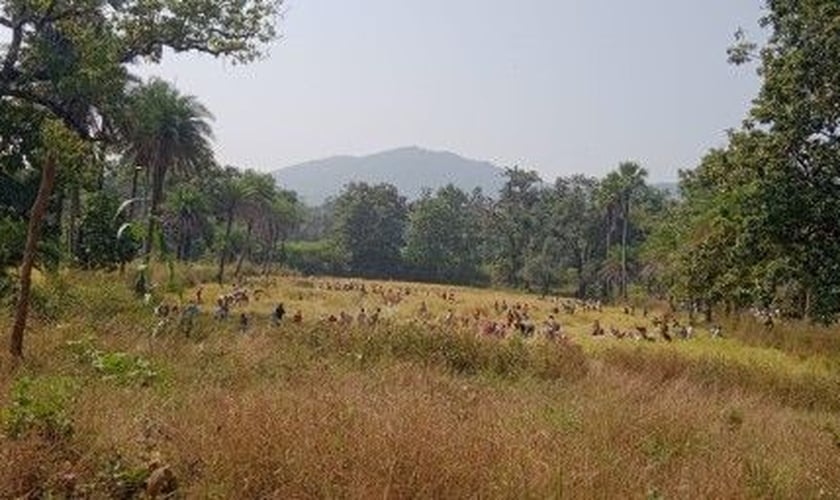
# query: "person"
[553,328]
[222,309]
[162,310]
[277,315]
[243,323]
[187,319]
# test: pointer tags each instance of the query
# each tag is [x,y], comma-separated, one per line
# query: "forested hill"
[409,169]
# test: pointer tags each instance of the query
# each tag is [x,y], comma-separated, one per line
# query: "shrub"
[120,367]
[39,405]
[52,299]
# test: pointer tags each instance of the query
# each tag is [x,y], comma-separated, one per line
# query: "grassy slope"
[409,411]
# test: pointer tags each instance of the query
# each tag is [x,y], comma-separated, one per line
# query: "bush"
[52,299]
[39,405]
[120,367]
[315,258]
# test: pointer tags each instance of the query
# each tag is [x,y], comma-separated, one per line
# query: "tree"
[188,210]
[577,220]
[69,58]
[58,145]
[513,223]
[799,107]
[101,244]
[259,191]
[165,130]
[609,202]
[631,180]
[760,215]
[229,194]
[283,217]
[369,228]
[441,237]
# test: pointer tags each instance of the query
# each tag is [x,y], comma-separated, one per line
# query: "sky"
[557,86]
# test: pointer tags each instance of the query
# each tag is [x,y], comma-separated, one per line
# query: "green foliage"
[100,243]
[441,237]
[14,236]
[119,367]
[38,405]
[369,228]
[314,258]
[512,223]
[166,132]
[54,298]
[121,479]
[758,225]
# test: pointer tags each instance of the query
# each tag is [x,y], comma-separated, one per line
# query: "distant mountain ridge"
[410,169]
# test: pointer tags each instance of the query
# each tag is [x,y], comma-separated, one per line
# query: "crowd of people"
[499,320]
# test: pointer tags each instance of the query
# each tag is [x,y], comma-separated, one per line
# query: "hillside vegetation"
[410,407]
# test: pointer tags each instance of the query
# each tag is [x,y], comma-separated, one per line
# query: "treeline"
[579,235]
[159,193]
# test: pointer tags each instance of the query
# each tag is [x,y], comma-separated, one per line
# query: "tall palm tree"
[608,196]
[187,210]
[282,218]
[260,191]
[631,180]
[228,196]
[165,131]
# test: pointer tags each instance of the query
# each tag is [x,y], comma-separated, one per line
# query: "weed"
[120,367]
[39,405]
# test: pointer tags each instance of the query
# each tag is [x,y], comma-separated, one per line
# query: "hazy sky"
[559,86]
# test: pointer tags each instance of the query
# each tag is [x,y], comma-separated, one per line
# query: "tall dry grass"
[401,412]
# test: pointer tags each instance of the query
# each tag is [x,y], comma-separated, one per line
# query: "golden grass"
[406,411]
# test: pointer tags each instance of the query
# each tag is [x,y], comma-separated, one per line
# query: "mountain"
[409,169]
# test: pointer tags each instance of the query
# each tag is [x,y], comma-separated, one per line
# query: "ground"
[408,408]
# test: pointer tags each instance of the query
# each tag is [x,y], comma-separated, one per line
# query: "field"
[109,404]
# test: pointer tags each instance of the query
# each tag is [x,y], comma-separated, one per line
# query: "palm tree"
[188,211]
[608,200]
[228,196]
[260,191]
[283,216]
[165,131]
[631,178]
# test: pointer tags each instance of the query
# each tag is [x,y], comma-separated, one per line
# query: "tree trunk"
[223,252]
[807,311]
[36,218]
[624,249]
[134,180]
[581,289]
[75,213]
[245,250]
[157,194]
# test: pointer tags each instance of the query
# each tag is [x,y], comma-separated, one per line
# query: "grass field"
[408,407]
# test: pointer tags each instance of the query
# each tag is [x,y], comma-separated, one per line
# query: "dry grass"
[404,412]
